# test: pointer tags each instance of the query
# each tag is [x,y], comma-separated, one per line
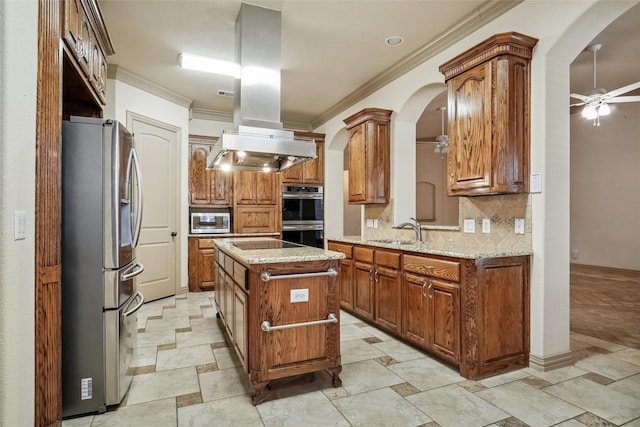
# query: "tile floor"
[187,376]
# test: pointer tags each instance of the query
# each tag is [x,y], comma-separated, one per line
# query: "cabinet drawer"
[363,254]
[206,244]
[388,259]
[347,250]
[220,257]
[228,265]
[434,267]
[239,274]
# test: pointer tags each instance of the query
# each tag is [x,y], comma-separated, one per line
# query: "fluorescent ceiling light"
[209,65]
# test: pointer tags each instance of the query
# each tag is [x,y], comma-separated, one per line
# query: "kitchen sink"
[394,241]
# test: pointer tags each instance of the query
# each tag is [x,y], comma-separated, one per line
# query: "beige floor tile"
[154,338]
[156,413]
[223,383]
[144,356]
[629,386]
[382,408]
[352,332]
[159,385]
[453,406]
[597,342]
[199,324]
[570,423]
[504,378]
[358,350]
[634,423]
[167,324]
[399,351]
[184,356]
[557,375]
[378,333]
[205,336]
[598,399]
[226,357]
[346,318]
[78,422]
[310,409]
[630,355]
[608,366]
[233,411]
[367,375]
[524,402]
[425,373]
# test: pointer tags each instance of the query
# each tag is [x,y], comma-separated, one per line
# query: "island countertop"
[264,250]
[450,250]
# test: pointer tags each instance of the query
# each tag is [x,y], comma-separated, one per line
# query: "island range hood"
[260,143]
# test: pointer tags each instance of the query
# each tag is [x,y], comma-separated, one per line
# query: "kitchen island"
[280,306]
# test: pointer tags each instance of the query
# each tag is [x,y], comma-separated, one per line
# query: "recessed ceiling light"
[394,41]
[209,65]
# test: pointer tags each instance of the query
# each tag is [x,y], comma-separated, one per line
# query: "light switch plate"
[486,225]
[535,183]
[519,228]
[469,226]
[20,225]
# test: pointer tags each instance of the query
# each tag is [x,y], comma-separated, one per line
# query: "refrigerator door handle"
[132,271]
[128,313]
[138,224]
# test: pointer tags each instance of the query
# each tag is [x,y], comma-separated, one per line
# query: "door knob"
[174,234]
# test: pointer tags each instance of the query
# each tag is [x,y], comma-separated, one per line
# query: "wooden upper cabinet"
[87,44]
[311,171]
[489,124]
[206,187]
[255,188]
[369,156]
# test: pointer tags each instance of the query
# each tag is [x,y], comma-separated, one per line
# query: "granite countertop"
[296,253]
[232,235]
[451,250]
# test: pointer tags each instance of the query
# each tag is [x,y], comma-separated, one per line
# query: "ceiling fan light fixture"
[604,109]
[589,112]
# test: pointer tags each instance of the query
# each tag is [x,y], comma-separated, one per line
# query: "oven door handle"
[305,196]
[299,227]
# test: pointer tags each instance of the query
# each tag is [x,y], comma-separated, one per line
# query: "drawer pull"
[266,325]
[267,277]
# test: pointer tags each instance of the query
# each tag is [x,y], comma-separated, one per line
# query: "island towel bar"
[266,276]
[266,325]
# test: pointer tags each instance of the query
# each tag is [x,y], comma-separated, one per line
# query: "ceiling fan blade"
[624,89]
[577,96]
[577,105]
[624,99]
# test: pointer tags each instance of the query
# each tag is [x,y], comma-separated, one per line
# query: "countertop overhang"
[451,250]
[271,256]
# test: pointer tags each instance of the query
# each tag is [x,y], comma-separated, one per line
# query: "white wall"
[122,97]
[18,76]
[605,201]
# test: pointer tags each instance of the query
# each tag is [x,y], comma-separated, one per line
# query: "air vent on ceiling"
[225,93]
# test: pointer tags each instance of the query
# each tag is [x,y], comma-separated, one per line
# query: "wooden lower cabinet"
[346,274]
[470,313]
[201,264]
[255,219]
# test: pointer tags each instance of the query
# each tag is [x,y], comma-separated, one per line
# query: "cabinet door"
[444,319]
[218,295]
[245,191]
[357,164]
[98,69]
[387,295]
[266,188]
[206,261]
[470,146]
[346,284]
[293,175]
[229,306]
[414,309]
[313,170]
[221,187]
[240,324]
[199,180]
[255,219]
[363,289]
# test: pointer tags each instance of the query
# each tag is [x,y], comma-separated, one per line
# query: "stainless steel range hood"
[260,143]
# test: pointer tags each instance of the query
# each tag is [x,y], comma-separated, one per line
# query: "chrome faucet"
[416,227]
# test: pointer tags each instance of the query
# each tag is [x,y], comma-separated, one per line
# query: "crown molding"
[204,114]
[472,22]
[116,72]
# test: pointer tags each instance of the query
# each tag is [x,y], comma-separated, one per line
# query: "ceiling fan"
[442,141]
[596,101]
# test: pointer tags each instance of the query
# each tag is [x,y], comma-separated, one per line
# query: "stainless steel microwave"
[210,222]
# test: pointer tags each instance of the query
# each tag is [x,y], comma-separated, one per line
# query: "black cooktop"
[264,244]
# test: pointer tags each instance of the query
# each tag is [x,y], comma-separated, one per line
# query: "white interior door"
[157,145]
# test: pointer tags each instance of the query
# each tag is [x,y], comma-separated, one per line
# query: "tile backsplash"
[501,210]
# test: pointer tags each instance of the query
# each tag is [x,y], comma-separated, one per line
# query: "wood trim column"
[48,343]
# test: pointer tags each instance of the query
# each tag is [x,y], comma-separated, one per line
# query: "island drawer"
[449,270]
[388,259]
[206,243]
[228,265]
[363,254]
[220,257]
[239,274]
[347,250]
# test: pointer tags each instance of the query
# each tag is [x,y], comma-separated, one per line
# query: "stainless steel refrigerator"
[101,218]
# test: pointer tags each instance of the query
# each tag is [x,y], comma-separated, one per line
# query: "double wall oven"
[303,215]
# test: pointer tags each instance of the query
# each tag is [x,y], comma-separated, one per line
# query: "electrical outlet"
[369,223]
[486,225]
[469,226]
[519,227]
[299,295]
